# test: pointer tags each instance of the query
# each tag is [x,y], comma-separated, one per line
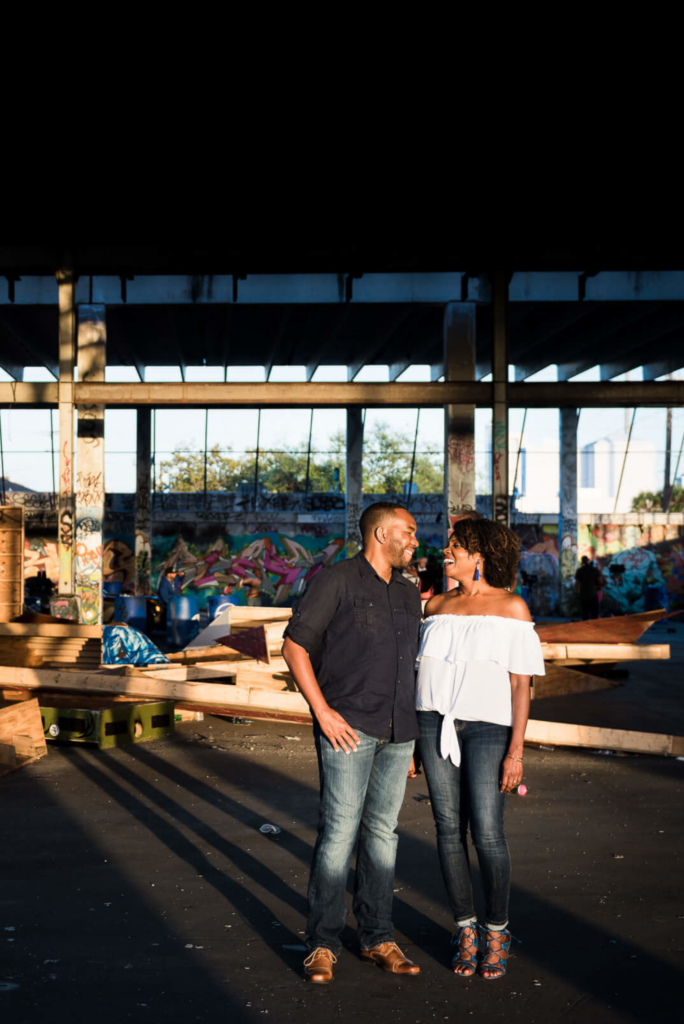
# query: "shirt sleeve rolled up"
[313,614]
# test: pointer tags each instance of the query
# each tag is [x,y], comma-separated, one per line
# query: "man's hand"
[339,732]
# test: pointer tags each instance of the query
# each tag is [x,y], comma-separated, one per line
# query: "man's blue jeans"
[361,794]
[469,795]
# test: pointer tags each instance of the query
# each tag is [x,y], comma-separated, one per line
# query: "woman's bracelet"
[513,758]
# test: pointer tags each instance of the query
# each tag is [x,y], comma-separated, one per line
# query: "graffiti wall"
[652,557]
[281,565]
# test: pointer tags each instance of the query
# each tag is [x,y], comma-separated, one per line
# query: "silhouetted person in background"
[587,580]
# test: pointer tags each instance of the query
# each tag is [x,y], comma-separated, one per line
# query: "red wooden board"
[251,642]
[620,629]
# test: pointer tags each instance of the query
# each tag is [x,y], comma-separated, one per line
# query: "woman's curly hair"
[498,545]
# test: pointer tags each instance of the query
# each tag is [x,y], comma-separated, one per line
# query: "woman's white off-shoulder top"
[464,665]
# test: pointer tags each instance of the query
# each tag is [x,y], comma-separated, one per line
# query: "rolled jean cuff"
[466,922]
[496,927]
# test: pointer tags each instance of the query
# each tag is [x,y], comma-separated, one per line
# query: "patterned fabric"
[122,645]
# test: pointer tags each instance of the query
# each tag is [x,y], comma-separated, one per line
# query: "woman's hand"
[338,731]
[511,771]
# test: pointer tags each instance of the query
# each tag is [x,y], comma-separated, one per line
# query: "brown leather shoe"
[318,966]
[388,956]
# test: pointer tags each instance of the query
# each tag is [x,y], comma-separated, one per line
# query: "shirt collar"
[366,569]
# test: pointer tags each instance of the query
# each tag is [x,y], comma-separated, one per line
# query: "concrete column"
[567,519]
[143,519]
[90,489]
[354,479]
[500,487]
[67,357]
[459,442]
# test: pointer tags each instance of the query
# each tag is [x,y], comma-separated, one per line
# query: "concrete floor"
[135,884]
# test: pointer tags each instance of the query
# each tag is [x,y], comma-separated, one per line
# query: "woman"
[478,650]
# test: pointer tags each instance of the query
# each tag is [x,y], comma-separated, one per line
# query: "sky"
[27,440]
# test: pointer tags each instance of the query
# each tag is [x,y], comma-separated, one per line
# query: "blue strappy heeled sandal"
[504,944]
[465,956]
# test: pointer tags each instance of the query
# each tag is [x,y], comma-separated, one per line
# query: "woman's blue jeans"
[361,794]
[469,795]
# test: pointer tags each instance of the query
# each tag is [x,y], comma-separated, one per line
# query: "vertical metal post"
[667,487]
[459,420]
[66,280]
[354,480]
[567,520]
[143,512]
[90,485]
[624,460]
[52,455]
[256,464]
[413,461]
[206,441]
[500,493]
[308,459]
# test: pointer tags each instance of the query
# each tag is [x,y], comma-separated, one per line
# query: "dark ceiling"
[574,335]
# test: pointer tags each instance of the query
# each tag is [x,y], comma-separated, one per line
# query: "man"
[351,646]
[587,579]
[170,584]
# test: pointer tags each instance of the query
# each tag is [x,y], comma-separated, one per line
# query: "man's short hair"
[376,515]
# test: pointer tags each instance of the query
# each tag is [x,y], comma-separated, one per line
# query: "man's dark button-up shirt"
[362,637]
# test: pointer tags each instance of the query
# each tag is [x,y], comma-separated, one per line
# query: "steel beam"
[459,417]
[500,342]
[305,288]
[354,481]
[90,487]
[550,395]
[65,391]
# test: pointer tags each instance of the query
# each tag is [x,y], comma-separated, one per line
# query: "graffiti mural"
[41,555]
[282,564]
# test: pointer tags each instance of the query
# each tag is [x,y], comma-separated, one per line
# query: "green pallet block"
[111,726]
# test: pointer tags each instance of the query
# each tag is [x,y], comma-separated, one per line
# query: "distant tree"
[387,464]
[386,467]
[652,501]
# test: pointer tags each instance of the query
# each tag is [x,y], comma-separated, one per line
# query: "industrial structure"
[75,313]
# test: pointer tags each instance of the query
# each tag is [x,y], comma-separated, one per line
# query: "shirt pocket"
[365,616]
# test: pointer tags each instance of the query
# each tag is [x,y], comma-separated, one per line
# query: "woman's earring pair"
[477,570]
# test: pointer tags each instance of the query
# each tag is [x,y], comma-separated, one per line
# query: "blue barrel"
[182,620]
[132,611]
[112,588]
[218,604]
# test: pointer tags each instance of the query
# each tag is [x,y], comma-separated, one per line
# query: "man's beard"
[397,554]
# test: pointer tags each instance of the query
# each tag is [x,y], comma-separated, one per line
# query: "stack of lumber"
[50,645]
[272,675]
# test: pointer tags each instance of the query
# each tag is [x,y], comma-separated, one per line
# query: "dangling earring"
[477,570]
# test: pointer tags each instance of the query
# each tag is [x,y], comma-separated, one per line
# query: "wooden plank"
[111,682]
[246,614]
[606,652]
[191,655]
[566,735]
[182,673]
[69,629]
[142,686]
